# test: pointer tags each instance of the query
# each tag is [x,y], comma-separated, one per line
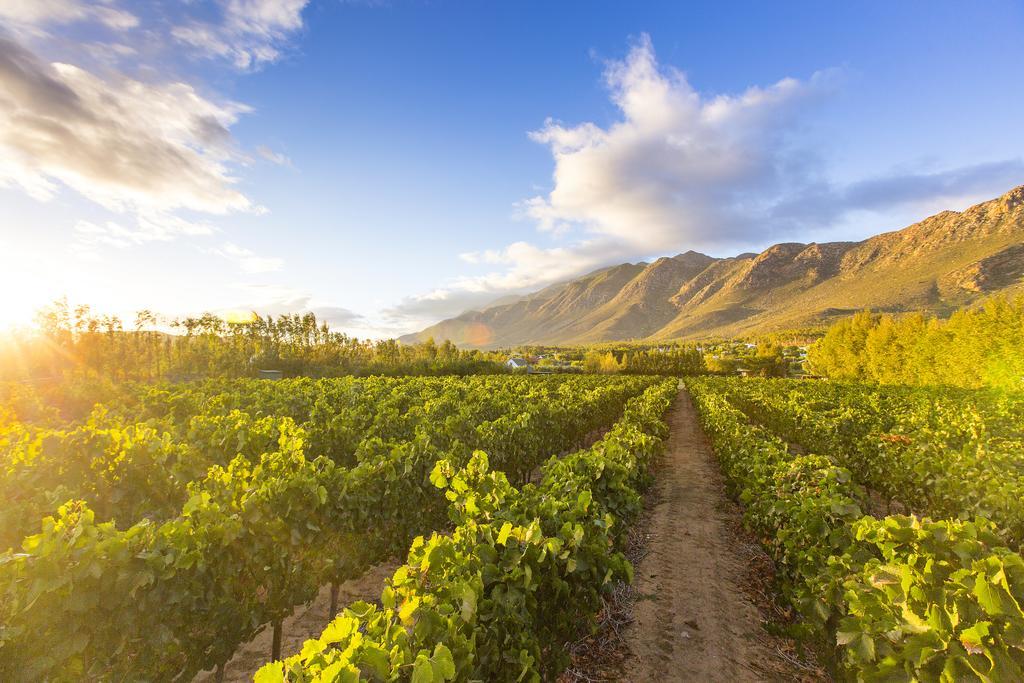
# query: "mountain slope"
[943,262]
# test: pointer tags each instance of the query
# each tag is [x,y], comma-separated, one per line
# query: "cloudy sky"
[385,164]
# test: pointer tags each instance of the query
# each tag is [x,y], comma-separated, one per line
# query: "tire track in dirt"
[693,620]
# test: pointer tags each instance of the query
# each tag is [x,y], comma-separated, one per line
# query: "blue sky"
[387,164]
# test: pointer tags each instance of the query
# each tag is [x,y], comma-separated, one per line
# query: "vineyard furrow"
[693,620]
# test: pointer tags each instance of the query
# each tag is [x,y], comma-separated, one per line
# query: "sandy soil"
[694,618]
[306,622]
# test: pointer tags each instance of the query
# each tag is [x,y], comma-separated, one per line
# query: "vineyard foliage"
[936,595]
[944,453]
[181,520]
[521,573]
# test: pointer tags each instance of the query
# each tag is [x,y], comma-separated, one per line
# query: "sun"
[240,316]
[12,319]
[19,302]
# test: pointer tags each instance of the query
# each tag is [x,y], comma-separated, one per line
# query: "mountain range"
[946,261]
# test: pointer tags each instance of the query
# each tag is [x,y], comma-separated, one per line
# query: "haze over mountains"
[948,260]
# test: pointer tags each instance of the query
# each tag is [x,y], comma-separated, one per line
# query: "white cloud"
[486,256]
[523,267]
[662,178]
[246,259]
[28,14]
[150,228]
[278,300]
[679,168]
[272,156]
[251,32]
[675,172]
[526,265]
[123,143]
[904,195]
[419,311]
[682,170]
[110,234]
[268,18]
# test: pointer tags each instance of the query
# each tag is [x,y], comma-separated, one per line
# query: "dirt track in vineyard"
[694,619]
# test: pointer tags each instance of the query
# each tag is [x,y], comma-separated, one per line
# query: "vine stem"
[334,601]
[275,648]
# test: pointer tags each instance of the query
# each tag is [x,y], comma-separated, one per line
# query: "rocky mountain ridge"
[945,261]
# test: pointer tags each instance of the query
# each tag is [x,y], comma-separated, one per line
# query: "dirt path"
[306,622]
[694,619]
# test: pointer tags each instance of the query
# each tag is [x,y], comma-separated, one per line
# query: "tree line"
[76,342]
[676,360]
[975,347]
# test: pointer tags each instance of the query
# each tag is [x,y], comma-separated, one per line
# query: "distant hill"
[946,261]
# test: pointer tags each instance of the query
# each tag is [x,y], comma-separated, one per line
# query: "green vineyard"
[171,524]
[181,521]
[518,575]
[416,341]
[934,592]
